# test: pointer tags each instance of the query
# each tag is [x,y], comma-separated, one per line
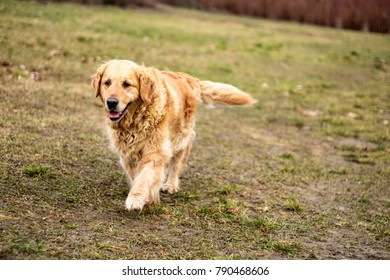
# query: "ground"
[303,174]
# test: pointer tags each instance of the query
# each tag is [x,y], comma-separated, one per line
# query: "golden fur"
[152,126]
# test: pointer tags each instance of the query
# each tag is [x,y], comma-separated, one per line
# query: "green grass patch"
[364,200]
[287,155]
[186,196]
[263,224]
[229,208]
[284,247]
[229,189]
[293,204]
[35,171]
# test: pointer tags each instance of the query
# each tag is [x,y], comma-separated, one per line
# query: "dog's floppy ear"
[146,86]
[97,78]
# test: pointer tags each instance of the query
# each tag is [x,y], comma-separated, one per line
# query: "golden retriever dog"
[151,120]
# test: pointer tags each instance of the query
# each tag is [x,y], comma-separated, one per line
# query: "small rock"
[53,53]
[310,113]
[35,76]
[84,59]
[299,87]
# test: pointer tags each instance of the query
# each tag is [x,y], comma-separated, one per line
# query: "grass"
[293,204]
[35,171]
[303,174]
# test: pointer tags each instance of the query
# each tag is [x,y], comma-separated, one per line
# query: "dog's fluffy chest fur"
[131,140]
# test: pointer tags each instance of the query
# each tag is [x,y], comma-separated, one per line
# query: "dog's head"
[121,83]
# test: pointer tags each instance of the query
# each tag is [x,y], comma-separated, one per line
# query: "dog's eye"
[107,83]
[126,84]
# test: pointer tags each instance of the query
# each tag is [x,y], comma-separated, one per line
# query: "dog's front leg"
[146,185]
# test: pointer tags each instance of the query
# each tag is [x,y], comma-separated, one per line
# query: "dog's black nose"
[111,103]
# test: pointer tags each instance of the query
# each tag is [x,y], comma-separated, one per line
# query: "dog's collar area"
[116,116]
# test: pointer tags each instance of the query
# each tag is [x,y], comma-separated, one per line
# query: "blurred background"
[362,15]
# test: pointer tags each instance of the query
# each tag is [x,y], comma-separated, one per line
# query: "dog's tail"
[212,93]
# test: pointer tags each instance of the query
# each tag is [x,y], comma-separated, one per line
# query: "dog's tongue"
[114,115]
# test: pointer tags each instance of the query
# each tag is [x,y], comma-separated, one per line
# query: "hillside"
[303,174]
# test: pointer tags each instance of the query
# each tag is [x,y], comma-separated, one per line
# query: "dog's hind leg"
[177,165]
[187,152]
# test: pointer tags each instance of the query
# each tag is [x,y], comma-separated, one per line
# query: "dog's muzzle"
[113,114]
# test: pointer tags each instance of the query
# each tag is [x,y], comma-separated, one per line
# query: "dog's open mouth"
[116,116]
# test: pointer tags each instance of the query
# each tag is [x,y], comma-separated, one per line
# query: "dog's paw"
[135,202]
[170,188]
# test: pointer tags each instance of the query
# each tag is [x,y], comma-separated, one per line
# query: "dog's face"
[120,84]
